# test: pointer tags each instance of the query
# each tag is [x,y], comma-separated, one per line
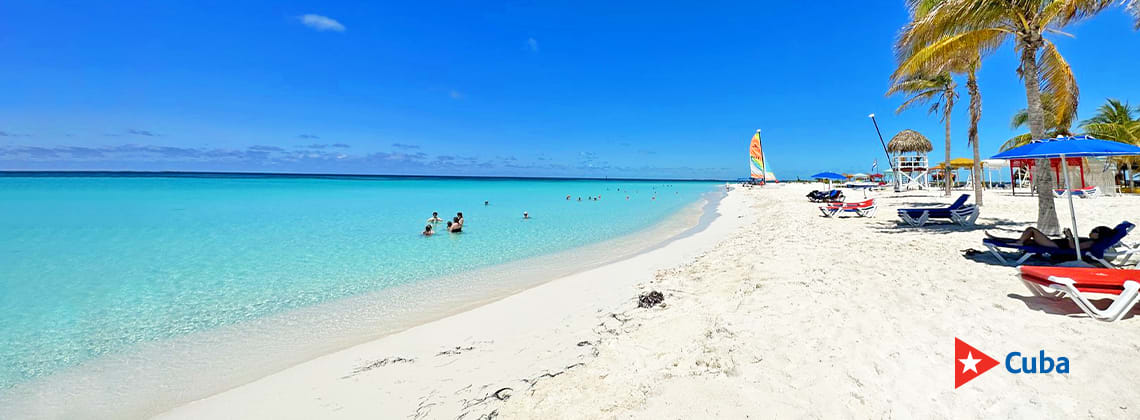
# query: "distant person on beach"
[428,231]
[1032,236]
[434,217]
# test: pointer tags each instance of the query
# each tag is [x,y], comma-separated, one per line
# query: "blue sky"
[553,88]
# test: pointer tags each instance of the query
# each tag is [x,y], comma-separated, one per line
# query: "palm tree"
[967,62]
[983,26]
[1060,123]
[938,90]
[1116,121]
[975,116]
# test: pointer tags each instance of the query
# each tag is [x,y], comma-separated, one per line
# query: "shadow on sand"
[940,227]
[1065,306]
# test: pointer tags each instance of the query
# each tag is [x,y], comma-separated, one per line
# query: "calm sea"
[91,266]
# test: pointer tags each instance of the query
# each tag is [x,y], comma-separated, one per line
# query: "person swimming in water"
[434,218]
[1033,236]
[486,203]
[460,216]
[428,231]
[526,215]
[453,227]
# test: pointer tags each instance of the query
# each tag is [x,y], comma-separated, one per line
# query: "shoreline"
[443,366]
[111,386]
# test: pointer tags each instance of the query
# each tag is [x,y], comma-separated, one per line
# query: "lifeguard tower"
[912,168]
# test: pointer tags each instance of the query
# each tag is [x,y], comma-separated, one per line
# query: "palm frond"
[958,53]
[1114,121]
[1020,119]
[1133,7]
[1059,13]
[1059,84]
[1016,141]
[937,90]
[947,18]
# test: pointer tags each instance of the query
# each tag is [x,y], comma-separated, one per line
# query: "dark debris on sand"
[651,299]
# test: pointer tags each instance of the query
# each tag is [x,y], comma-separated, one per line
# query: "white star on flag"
[969,363]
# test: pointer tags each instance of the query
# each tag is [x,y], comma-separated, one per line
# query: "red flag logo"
[969,362]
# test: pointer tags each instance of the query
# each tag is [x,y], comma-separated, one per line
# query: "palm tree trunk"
[1042,173]
[975,115]
[949,106]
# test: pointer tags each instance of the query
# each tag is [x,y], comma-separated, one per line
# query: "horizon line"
[318,175]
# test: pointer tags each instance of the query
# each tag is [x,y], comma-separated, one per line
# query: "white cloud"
[321,23]
[532,44]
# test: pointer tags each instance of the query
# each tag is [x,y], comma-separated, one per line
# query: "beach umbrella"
[995,163]
[1067,147]
[829,176]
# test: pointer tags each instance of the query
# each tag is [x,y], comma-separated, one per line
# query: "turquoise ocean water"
[91,266]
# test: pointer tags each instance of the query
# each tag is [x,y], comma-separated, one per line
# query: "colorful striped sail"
[758,166]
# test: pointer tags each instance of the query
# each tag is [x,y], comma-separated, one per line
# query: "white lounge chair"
[1077,282]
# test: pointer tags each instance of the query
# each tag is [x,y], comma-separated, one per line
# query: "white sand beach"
[772,311]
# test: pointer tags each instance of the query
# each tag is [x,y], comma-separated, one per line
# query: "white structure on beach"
[912,168]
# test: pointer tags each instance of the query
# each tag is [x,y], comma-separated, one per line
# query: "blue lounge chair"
[959,212]
[825,196]
[1096,252]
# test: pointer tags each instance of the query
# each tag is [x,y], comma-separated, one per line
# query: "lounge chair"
[1076,282]
[1090,192]
[861,209]
[959,213]
[825,196]
[1096,252]
[1121,255]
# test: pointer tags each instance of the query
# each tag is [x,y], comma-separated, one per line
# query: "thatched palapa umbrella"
[910,141]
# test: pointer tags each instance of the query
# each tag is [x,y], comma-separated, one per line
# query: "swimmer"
[526,215]
[428,231]
[434,218]
[459,215]
[454,227]
[486,203]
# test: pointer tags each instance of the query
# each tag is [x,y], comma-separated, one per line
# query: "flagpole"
[888,153]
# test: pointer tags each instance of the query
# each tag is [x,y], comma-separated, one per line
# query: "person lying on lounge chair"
[1032,236]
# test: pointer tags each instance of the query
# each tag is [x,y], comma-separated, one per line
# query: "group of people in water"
[455,225]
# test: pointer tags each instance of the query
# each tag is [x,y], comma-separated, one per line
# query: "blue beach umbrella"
[1066,147]
[829,176]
